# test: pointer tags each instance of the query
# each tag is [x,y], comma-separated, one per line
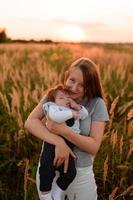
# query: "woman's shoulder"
[90,105]
[98,109]
[98,101]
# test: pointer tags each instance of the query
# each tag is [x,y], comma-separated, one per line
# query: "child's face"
[62,99]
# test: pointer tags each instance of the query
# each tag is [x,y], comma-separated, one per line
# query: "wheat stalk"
[130,114]
[130,149]
[130,188]
[113,105]
[114,138]
[105,170]
[121,146]
[112,195]
[26,177]
[111,111]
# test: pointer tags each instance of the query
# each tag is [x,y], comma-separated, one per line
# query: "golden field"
[26,71]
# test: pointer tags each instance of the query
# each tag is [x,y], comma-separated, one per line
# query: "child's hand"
[75,114]
[74,105]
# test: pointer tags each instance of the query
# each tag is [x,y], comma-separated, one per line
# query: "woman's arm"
[35,126]
[89,144]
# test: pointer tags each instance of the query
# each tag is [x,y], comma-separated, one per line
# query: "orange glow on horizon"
[72,33]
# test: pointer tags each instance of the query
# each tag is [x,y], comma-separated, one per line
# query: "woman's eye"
[71,79]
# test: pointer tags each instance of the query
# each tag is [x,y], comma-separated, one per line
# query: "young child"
[60,108]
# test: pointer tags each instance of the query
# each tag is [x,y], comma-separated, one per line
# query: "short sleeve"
[100,112]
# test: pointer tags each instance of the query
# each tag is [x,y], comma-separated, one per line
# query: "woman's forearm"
[85,143]
[38,129]
[89,144]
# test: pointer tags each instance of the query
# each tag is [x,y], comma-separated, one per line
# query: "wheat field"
[26,71]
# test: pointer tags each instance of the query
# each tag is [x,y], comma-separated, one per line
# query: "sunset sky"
[68,20]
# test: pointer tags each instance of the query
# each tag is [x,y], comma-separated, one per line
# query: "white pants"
[83,186]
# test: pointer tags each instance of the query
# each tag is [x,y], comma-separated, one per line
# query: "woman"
[83,84]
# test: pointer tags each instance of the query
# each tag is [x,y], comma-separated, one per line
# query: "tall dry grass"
[26,71]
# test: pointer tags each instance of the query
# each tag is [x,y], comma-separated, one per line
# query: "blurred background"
[39,39]
[82,20]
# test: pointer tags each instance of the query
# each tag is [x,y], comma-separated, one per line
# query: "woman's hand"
[62,153]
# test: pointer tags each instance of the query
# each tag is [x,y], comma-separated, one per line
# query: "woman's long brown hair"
[92,83]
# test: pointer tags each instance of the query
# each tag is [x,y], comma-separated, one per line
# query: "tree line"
[5,39]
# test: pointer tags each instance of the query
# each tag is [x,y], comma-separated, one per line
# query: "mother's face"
[75,84]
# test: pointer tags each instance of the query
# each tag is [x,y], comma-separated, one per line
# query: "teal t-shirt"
[97,112]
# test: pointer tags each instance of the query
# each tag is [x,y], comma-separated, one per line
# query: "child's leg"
[46,170]
[56,192]
[64,179]
[46,196]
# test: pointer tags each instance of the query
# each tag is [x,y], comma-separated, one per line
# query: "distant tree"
[3,36]
[48,41]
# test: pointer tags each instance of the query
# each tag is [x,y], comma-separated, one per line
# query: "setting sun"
[70,21]
[72,33]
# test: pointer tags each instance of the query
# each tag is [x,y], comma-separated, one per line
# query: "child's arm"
[82,111]
[74,105]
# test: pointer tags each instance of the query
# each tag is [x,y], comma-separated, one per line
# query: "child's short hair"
[51,93]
